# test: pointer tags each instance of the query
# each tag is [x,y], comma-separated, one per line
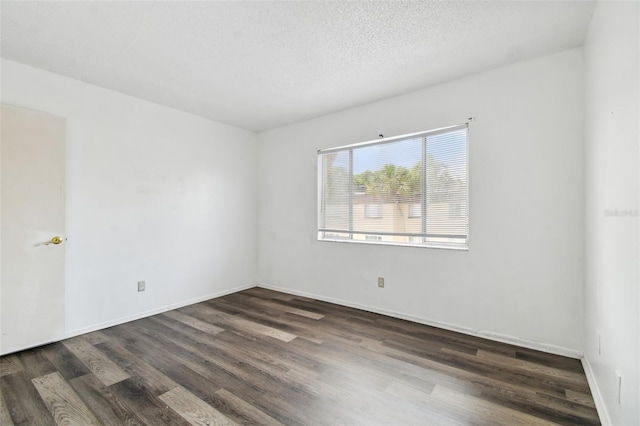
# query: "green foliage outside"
[396,182]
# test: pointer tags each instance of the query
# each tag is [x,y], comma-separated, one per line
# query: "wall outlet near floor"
[141,285]
[380,281]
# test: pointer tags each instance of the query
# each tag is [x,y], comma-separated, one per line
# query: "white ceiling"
[260,65]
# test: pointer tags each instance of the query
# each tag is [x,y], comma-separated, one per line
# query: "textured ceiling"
[260,65]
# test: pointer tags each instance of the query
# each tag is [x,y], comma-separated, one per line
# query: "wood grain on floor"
[263,357]
[66,407]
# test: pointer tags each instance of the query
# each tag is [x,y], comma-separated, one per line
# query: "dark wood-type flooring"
[263,357]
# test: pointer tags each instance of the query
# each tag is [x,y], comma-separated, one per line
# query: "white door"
[32,213]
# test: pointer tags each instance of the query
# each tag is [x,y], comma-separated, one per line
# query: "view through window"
[408,190]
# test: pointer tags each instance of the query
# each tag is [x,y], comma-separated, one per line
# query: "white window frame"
[322,233]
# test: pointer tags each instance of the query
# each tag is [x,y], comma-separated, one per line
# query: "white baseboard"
[595,391]
[498,337]
[122,320]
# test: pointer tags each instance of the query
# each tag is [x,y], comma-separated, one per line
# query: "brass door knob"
[54,240]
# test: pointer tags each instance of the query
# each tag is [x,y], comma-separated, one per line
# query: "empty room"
[320,212]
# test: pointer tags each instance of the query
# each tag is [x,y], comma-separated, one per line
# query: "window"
[415,210]
[372,211]
[414,186]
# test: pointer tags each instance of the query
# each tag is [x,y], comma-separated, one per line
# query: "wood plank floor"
[263,357]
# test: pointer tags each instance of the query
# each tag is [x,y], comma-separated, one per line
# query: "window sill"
[388,243]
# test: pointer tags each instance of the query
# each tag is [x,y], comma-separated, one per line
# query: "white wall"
[612,252]
[522,279]
[153,194]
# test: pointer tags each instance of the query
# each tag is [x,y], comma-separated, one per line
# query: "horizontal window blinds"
[409,190]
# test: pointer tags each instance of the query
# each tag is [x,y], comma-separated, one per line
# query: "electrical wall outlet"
[141,285]
[380,281]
